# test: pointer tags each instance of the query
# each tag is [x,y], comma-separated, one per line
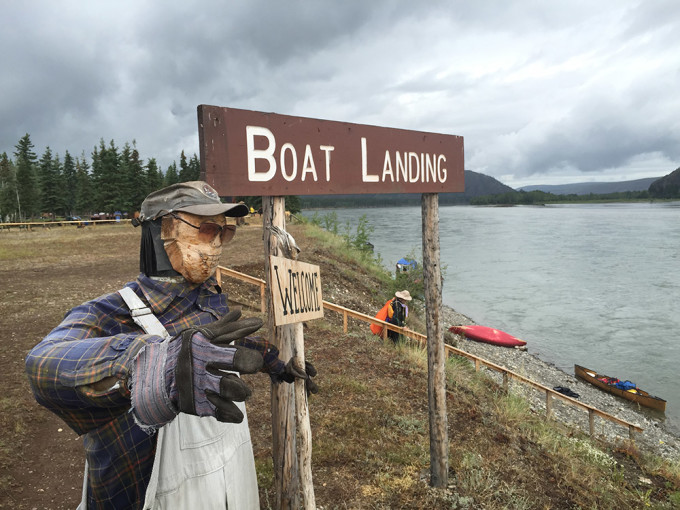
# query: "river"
[596,285]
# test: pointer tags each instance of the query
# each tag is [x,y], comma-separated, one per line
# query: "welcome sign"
[295,290]
[248,153]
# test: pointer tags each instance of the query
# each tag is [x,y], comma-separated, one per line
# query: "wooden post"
[303,426]
[548,405]
[282,395]
[436,356]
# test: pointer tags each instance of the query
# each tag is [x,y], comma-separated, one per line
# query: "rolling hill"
[476,184]
[585,188]
[666,187]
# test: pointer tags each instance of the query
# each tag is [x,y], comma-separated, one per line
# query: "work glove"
[291,372]
[229,328]
[278,370]
[187,374]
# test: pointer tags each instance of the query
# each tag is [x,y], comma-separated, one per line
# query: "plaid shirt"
[97,340]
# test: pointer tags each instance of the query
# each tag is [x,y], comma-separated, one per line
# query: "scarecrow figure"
[148,375]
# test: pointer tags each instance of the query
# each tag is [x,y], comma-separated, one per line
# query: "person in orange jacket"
[395,312]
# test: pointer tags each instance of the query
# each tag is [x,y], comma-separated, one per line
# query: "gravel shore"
[656,438]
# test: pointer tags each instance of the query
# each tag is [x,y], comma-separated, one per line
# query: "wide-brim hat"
[193,197]
[403,294]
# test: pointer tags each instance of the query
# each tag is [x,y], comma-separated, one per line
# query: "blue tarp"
[625,385]
[406,262]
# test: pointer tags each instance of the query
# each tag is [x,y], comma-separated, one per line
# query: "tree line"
[538,197]
[111,179]
[665,188]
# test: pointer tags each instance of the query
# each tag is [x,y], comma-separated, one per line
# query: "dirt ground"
[41,460]
[369,421]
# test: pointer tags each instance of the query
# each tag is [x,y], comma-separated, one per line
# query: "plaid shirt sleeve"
[94,344]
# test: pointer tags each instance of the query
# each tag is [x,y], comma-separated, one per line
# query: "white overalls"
[200,463]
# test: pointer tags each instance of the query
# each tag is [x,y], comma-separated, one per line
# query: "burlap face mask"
[192,253]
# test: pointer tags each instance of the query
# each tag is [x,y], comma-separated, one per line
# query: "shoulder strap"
[142,314]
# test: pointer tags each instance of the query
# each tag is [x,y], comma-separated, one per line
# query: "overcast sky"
[543,92]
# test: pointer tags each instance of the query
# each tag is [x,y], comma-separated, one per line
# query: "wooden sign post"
[436,355]
[282,396]
[247,153]
[295,296]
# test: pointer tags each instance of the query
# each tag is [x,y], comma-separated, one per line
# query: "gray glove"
[187,374]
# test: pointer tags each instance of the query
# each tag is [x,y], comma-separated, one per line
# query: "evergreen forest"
[111,180]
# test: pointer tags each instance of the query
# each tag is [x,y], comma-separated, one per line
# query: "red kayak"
[488,335]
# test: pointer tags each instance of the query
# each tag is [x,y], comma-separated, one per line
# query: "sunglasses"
[208,231]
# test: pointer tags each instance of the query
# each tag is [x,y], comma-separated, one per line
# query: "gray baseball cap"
[193,197]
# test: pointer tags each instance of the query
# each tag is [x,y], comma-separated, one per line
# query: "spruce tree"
[154,177]
[108,181]
[126,182]
[293,204]
[27,181]
[184,170]
[194,168]
[8,189]
[84,197]
[134,179]
[52,191]
[69,183]
[139,173]
[96,179]
[171,176]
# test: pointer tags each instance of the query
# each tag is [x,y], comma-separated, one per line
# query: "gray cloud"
[540,91]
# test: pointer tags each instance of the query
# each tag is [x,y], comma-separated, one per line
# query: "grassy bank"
[371,424]
[369,420]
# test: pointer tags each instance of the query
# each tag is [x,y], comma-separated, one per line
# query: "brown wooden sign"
[248,153]
[296,291]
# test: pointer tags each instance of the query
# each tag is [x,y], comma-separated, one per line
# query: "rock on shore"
[656,438]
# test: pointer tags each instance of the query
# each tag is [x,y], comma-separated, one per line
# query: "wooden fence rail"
[479,362]
[58,223]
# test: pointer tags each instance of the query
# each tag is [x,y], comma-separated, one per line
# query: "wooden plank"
[242,276]
[436,355]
